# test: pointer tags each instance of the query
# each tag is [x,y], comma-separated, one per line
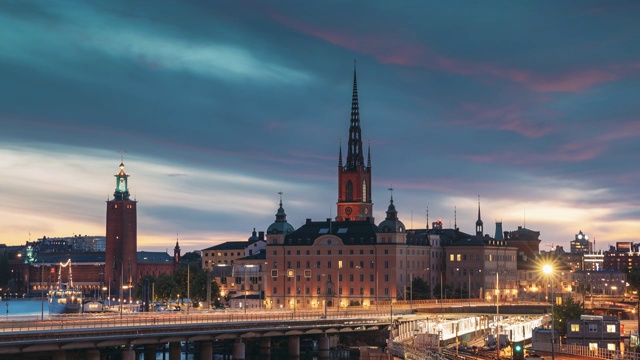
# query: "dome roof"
[391,224]
[280,226]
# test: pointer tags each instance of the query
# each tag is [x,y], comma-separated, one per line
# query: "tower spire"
[369,155]
[455,217]
[340,155]
[479,225]
[354,154]
[427,217]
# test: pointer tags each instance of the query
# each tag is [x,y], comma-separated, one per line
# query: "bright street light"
[548,269]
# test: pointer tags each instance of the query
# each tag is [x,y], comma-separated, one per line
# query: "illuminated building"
[581,244]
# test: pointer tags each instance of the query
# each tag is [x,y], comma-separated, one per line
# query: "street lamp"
[548,269]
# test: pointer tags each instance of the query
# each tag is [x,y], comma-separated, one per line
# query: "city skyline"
[222,106]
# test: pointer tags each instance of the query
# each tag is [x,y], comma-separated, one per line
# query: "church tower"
[121,238]
[354,177]
[479,223]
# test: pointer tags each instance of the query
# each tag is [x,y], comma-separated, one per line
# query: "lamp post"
[548,269]
[293,273]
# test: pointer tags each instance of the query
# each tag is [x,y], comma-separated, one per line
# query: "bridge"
[59,336]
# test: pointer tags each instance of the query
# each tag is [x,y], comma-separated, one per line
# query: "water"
[15,307]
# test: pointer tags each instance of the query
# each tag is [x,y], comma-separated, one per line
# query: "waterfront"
[24,307]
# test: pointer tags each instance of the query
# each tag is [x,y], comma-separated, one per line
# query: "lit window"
[611,328]
[575,327]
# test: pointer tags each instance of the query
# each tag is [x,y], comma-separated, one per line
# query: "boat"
[92,306]
[65,299]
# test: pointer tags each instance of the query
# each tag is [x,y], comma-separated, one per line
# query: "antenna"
[455,218]
[427,217]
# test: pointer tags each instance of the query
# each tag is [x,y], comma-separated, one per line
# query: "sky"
[220,105]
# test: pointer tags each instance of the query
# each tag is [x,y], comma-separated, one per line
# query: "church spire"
[340,155]
[354,155]
[479,224]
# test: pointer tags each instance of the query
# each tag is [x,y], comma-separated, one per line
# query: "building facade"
[595,332]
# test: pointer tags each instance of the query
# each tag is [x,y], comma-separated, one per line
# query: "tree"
[447,291]
[166,287]
[568,310]
[633,278]
[5,269]
[420,289]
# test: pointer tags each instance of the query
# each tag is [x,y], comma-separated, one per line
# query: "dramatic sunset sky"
[532,105]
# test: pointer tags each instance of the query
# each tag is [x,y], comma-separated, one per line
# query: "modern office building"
[581,244]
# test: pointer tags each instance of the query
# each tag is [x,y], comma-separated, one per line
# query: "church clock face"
[348,211]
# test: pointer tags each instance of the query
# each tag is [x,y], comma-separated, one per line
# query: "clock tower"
[121,237]
[354,177]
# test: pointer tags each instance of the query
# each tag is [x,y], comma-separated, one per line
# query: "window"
[451,257]
[349,191]
[386,277]
[329,264]
[350,277]
[611,347]
[371,278]
[364,191]
[575,327]
[458,257]
[361,252]
[386,264]
[386,251]
[611,328]
[361,277]
[593,327]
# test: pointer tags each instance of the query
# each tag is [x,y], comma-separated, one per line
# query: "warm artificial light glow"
[547,269]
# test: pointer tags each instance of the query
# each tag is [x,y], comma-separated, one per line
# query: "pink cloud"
[274,125]
[574,151]
[507,118]
[400,51]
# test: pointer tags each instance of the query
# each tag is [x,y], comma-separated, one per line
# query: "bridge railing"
[35,323]
[584,351]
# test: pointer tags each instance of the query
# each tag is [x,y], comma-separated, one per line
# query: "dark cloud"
[500,99]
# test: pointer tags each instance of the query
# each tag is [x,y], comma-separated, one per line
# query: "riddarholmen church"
[351,260]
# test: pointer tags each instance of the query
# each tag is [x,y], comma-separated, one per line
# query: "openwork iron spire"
[355,157]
